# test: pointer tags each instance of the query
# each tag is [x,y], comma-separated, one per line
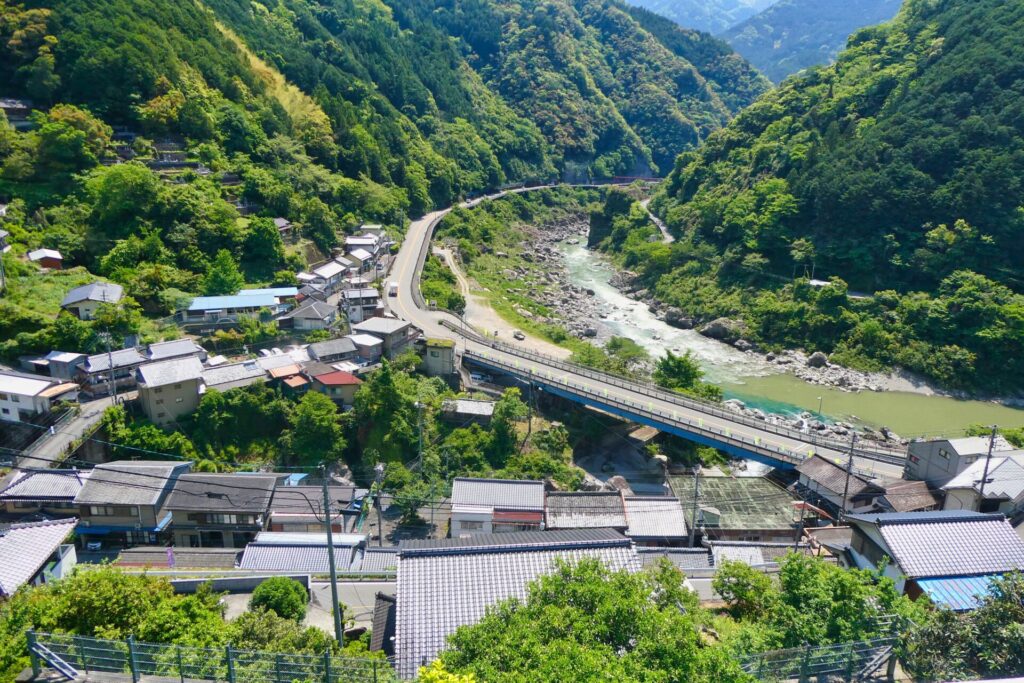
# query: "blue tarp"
[958,593]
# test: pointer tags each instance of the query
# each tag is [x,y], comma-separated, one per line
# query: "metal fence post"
[181,666]
[131,659]
[77,640]
[804,668]
[849,663]
[37,670]
[277,668]
[327,666]
[231,663]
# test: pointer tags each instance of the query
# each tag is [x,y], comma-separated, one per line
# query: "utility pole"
[800,528]
[338,632]
[988,459]
[696,495]
[419,430]
[378,478]
[849,470]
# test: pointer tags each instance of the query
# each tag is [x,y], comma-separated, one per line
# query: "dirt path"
[486,320]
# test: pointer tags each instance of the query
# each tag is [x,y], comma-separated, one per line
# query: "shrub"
[285,597]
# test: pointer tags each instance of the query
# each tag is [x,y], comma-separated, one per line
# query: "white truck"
[392,289]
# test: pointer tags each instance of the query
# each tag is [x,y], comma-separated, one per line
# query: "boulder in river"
[676,318]
[723,329]
[817,360]
[743,345]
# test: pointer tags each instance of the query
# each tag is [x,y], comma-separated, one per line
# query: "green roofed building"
[739,508]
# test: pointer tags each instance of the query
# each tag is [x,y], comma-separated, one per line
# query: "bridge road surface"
[576,382]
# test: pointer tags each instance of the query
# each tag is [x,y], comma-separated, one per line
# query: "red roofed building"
[339,385]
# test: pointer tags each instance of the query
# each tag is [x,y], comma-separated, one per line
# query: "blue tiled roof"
[216,303]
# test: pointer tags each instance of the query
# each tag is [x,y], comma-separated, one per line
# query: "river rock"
[817,360]
[743,345]
[676,318]
[619,483]
[723,329]
[589,332]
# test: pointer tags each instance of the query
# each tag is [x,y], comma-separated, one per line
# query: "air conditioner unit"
[85,522]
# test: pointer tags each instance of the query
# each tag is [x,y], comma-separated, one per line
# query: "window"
[471,526]
[6,411]
[159,401]
[944,453]
[178,385]
[158,390]
[102,510]
[15,399]
[434,354]
[178,400]
[3,397]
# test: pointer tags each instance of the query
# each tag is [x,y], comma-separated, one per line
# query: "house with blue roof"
[228,309]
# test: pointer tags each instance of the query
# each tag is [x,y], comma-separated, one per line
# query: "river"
[761,385]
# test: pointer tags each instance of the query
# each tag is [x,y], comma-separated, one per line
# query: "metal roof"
[122,358]
[584,509]
[272,291]
[514,494]
[377,560]
[25,548]
[655,517]
[364,339]
[958,593]
[337,378]
[440,590]
[308,500]
[45,485]
[25,385]
[948,543]
[332,347]
[361,293]
[754,553]
[224,377]
[303,538]
[383,632]
[94,291]
[360,254]
[203,492]
[40,254]
[170,371]
[381,325]
[978,445]
[174,349]
[130,482]
[743,502]
[1005,478]
[328,270]
[217,303]
[468,406]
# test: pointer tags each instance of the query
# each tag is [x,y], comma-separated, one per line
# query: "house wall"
[961,499]
[343,394]
[144,516]
[439,361]
[936,462]
[18,407]
[867,551]
[193,530]
[465,524]
[54,508]
[165,404]
[86,310]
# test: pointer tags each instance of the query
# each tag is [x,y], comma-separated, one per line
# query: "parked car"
[480,377]
[518,335]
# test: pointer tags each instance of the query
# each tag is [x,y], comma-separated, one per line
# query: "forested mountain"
[166,135]
[711,16]
[898,170]
[792,35]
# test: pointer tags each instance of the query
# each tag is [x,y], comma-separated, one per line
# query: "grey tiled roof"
[45,485]
[227,493]
[94,291]
[832,476]
[752,553]
[508,494]
[25,548]
[377,560]
[907,496]
[224,377]
[295,558]
[170,371]
[308,500]
[383,632]
[684,558]
[174,349]
[443,587]
[130,482]
[331,347]
[948,543]
[314,310]
[585,509]
[655,517]
[122,358]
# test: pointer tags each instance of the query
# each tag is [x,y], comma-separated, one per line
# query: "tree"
[263,247]
[586,622]
[281,595]
[315,435]
[223,276]
[508,410]
[684,374]
[747,591]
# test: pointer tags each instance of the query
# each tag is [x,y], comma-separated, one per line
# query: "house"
[1003,491]
[312,315]
[439,357]
[284,226]
[50,492]
[900,495]
[448,583]
[339,386]
[368,347]
[332,350]
[466,411]
[655,520]
[396,334]
[24,396]
[4,246]
[372,229]
[122,502]
[103,373]
[382,634]
[34,553]
[46,258]
[307,553]
[486,506]
[827,482]
[228,309]
[585,510]
[329,275]
[219,510]
[362,260]
[83,301]
[177,348]
[368,243]
[234,375]
[939,460]
[62,364]
[300,508]
[360,304]
[170,389]
[949,556]
[282,294]
[3,210]
[311,292]
[752,509]
[15,110]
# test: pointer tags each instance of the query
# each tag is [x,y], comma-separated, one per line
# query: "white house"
[486,506]
[23,396]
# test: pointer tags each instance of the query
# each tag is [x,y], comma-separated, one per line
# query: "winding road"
[706,423]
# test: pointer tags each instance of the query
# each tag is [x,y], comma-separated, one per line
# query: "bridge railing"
[723,436]
[888,455]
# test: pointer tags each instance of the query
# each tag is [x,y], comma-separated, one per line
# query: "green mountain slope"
[794,34]
[712,16]
[898,168]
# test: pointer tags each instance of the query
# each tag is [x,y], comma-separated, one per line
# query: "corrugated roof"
[360,254]
[958,593]
[174,349]
[329,270]
[441,590]
[752,552]
[515,541]
[499,493]
[285,292]
[170,371]
[746,503]
[377,560]
[130,482]
[467,406]
[338,378]
[24,385]
[228,493]
[94,291]
[585,509]
[947,543]
[45,485]
[25,548]
[655,517]
[217,303]
[1005,478]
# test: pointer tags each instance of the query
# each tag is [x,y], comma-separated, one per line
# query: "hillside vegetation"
[712,16]
[794,34]
[896,171]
